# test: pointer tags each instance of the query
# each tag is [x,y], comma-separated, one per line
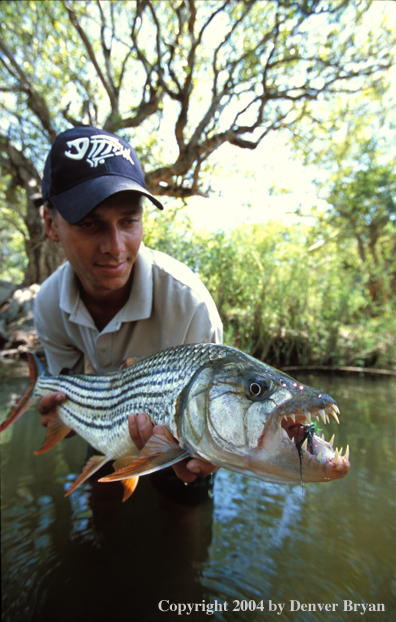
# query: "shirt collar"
[140,302]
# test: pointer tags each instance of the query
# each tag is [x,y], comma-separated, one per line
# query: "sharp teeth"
[347,453]
[341,452]
[317,417]
[327,418]
[304,445]
[322,437]
[293,418]
[319,456]
[322,415]
[335,416]
[331,441]
[336,457]
[335,407]
[308,416]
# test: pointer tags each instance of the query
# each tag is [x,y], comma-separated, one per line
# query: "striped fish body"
[97,407]
[217,402]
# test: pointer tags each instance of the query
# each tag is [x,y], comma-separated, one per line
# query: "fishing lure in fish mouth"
[214,402]
[309,431]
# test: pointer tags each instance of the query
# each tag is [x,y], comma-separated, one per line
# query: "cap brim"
[74,204]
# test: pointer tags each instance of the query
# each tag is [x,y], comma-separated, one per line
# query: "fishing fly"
[309,431]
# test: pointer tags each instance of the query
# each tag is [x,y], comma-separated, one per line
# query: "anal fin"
[131,483]
[129,486]
[159,452]
[56,431]
[93,465]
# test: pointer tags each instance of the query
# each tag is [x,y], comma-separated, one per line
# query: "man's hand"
[141,429]
[46,408]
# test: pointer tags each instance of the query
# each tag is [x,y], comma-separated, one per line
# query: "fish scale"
[213,402]
[97,406]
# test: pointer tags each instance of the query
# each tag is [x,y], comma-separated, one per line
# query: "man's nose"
[112,242]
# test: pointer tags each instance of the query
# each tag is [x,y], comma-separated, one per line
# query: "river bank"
[18,336]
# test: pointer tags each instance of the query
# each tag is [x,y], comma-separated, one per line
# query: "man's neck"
[104,306]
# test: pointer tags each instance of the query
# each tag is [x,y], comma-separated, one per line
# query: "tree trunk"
[43,255]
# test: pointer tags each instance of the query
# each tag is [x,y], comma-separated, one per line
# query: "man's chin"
[109,280]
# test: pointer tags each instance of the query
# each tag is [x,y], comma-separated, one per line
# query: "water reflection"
[90,557]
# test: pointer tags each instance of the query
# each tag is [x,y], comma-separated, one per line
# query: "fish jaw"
[277,457]
[284,451]
[263,438]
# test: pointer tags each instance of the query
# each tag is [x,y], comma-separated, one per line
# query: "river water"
[251,550]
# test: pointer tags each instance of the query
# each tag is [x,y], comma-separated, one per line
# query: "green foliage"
[283,298]
[364,209]
[181,79]
[13,259]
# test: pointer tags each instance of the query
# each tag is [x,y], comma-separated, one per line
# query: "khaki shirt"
[168,306]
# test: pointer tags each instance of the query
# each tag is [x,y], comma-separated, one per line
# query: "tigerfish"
[215,402]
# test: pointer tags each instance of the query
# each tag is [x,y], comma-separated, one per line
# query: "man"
[114,298]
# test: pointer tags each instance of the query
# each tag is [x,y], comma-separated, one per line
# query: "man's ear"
[50,225]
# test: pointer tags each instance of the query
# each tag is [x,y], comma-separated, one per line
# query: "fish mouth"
[299,429]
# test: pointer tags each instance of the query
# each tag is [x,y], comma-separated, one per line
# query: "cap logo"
[101,147]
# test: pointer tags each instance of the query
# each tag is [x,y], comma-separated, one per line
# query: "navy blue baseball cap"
[85,166]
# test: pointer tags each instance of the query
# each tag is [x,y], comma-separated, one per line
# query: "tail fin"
[27,399]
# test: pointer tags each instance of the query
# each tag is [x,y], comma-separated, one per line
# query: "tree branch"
[35,101]
[106,83]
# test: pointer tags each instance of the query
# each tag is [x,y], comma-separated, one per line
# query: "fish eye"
[255,388]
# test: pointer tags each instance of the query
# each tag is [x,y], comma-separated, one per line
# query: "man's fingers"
[49,402]
[140,429]
[47,405]
[45,419]
[183,473]
[187,470]
[201,467]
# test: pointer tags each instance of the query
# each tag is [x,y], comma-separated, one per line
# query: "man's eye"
[86,224]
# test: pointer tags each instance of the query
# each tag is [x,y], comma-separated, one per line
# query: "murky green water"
[90,557]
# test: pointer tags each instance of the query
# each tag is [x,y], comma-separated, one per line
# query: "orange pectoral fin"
[158,453]
[27,398]
[89,469]
[56,431]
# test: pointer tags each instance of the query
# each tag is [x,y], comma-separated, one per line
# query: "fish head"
[249,417]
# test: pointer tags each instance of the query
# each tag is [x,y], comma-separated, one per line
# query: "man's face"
[102,247]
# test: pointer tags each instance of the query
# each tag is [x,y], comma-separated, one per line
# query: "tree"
[363,208]
[359,186]
[178,78]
